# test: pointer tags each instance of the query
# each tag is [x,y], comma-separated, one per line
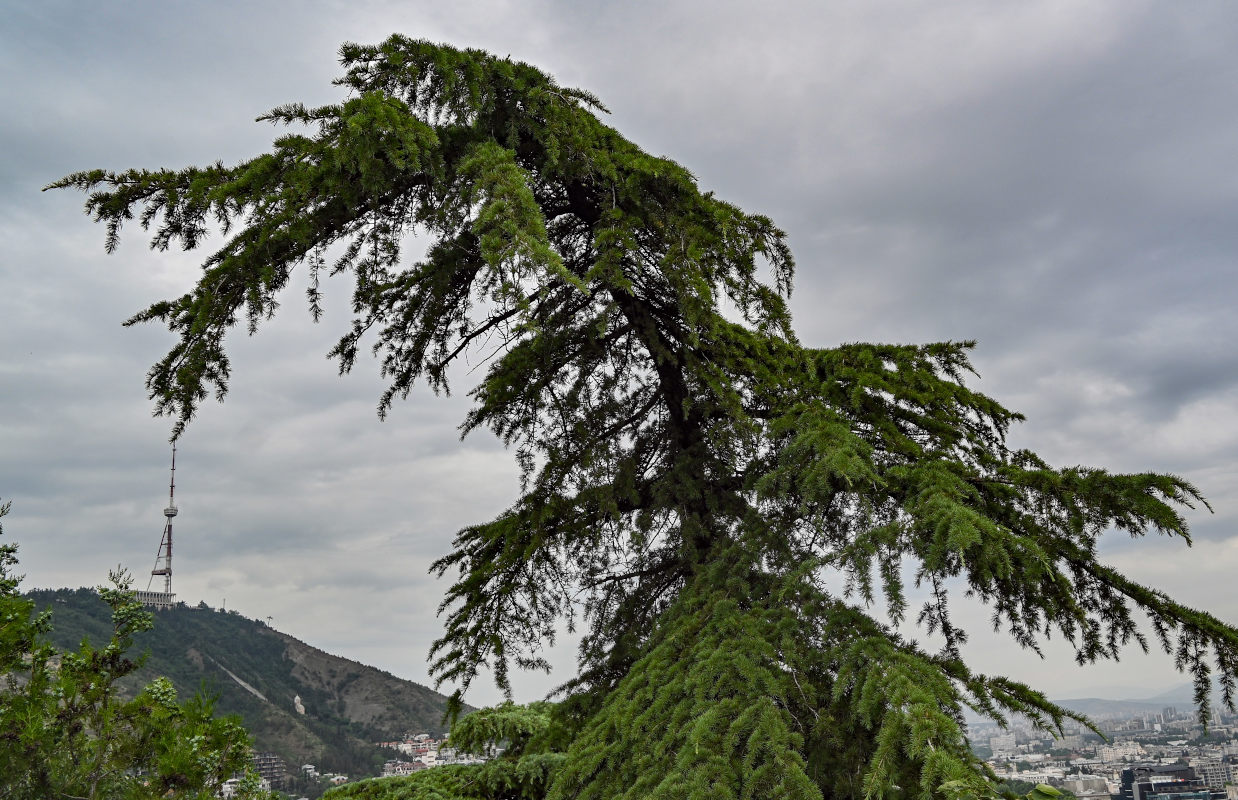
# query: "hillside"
[259,672]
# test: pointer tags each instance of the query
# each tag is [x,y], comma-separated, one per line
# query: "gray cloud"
[1054,180]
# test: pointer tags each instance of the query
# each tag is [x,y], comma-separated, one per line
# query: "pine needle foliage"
[715,504]
[526,745]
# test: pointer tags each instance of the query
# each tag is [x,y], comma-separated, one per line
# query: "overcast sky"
[1057,180]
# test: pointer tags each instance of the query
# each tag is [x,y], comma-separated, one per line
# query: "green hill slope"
[259,673]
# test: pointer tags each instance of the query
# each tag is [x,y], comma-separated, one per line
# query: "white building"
[1120,751]
[1002,743]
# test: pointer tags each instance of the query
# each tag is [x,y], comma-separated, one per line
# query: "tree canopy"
[716,504]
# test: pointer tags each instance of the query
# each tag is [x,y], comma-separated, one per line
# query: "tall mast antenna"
[163,558]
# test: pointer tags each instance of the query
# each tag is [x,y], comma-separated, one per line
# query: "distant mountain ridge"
[1099,708]
[296,700]
[1181,697]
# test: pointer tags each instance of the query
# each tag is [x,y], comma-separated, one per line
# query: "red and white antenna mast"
[163,558]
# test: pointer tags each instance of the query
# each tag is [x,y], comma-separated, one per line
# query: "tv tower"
[163,557]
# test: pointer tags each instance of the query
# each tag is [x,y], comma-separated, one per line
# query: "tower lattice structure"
[163,557]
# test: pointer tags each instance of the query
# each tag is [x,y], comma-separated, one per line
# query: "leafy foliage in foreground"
[717,504]
[1038,791]
[66,730]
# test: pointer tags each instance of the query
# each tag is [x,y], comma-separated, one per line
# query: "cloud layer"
[1054,180]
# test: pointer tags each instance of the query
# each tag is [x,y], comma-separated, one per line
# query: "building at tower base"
[160,601]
